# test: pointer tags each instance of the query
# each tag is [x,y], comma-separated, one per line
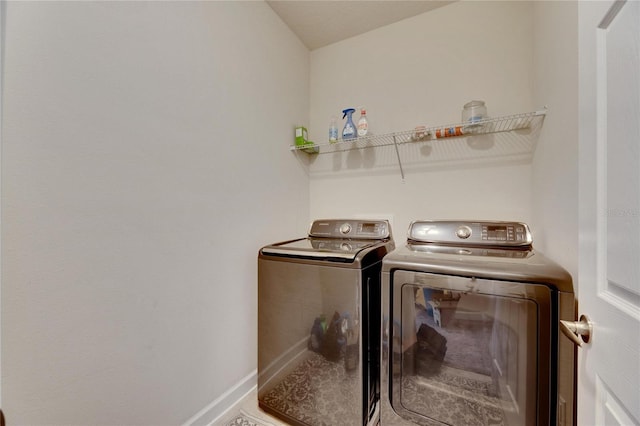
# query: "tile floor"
[249,406]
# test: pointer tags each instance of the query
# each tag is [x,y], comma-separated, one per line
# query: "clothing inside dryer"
[467,358]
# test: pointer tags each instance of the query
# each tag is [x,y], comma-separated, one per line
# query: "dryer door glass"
[467,350]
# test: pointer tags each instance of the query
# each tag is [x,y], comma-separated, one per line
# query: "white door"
[609,272]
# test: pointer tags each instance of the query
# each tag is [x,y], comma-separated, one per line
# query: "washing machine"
[470,329]
[319,323]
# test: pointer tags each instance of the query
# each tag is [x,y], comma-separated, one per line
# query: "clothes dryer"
[319,323]
[471,329]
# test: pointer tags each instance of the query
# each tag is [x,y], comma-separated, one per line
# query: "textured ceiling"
[319,23]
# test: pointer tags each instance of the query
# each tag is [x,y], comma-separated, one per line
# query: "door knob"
[578,331]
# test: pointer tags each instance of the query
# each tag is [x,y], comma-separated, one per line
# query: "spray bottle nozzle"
[347,111]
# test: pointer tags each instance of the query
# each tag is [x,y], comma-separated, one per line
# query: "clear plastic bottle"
[363,123]
[333,129]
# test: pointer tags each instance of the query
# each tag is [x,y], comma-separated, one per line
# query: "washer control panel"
[351,228]
[498,233]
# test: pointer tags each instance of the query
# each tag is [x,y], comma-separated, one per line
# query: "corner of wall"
[555,165]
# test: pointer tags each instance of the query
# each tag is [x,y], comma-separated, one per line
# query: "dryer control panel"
[476,233]
[351,228]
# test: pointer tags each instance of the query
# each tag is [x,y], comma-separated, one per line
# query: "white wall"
[555,166]
[421,71]
[144,163]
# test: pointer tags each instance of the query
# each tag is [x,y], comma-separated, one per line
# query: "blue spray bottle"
[349,131]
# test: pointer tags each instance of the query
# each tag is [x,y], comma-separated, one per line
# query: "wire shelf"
[438,133]
[454,143]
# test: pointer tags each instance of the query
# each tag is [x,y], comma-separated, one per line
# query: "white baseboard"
[221,405]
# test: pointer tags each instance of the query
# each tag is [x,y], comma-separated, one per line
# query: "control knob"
[463,232]
[345,228]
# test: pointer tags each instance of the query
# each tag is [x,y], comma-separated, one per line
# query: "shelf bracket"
[395,144]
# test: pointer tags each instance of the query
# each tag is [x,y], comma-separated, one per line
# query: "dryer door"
[469,351]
